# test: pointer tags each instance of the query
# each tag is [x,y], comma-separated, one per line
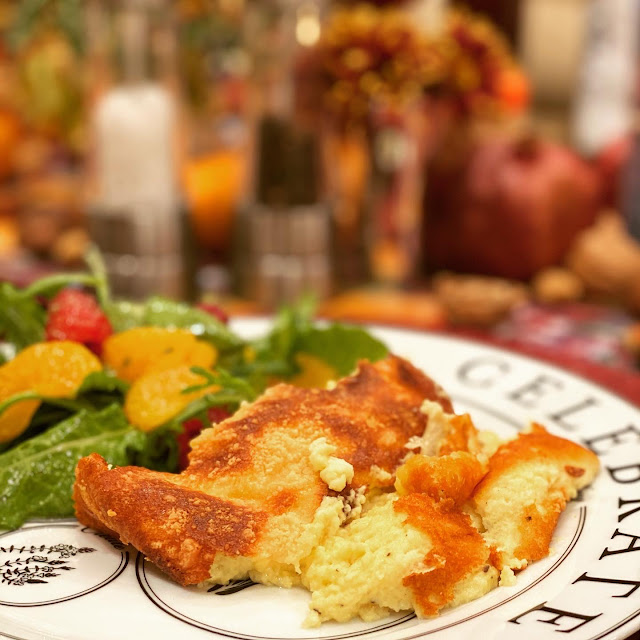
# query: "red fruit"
[506,207]
[192,428]
[75,315]
[215,311]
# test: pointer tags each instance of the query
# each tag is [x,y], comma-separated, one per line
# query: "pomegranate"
[508,207]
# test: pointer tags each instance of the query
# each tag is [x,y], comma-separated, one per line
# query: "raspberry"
[75,315]
[192,428]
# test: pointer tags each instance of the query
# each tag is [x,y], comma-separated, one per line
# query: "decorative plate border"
[124,561]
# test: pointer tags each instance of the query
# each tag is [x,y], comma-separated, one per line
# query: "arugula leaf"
[273,354]
[66,403]
[50,285]
[341,346]
[289,324]
[100,389]
[160,451]
[22,319]
[223,379]
[36,477]
[161,312]
[231,392]
[198,408]
[103,381]
[124,314]
[98,270]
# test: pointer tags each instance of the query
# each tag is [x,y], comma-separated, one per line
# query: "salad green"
[37,467]
[36,476]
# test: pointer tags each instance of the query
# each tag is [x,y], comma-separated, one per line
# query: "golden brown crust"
[462,437]
[529,482]
[179,529]
[253,468]
[457,550]
[453,476]
[538,444]
[370,416]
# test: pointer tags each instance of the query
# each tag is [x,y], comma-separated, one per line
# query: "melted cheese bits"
[335,472]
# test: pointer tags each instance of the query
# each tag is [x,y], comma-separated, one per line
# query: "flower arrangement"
[370,54]
[481,74]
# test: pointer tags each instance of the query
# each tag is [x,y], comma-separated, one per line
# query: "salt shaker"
[136,213]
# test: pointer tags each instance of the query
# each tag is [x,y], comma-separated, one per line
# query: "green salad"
[69,386]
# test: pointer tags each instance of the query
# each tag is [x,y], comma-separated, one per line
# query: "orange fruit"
[136,352]
[213,185]
[55,369]
[15,419]
[314,372]
[156,397]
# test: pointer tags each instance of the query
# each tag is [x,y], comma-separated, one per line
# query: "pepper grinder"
[284,231]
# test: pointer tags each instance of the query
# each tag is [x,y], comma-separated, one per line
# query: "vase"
[399,144]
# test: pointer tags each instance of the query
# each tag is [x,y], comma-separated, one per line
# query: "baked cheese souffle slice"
[267,486]
[466,514]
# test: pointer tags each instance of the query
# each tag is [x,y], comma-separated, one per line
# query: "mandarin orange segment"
[15,419]
[314,372]
[158,396]
[55,369]
[136,352]
[195,354]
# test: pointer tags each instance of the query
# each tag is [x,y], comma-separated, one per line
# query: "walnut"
[556,284]
[606,258]
[478,300]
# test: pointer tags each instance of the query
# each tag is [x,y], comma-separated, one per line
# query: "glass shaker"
[136,213]
[284,230]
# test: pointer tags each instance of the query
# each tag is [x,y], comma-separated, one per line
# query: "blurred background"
[468,166]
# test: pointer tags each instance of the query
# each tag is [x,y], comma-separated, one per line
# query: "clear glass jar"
[136,211]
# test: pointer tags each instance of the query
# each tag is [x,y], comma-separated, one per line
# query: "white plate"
[588,588]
